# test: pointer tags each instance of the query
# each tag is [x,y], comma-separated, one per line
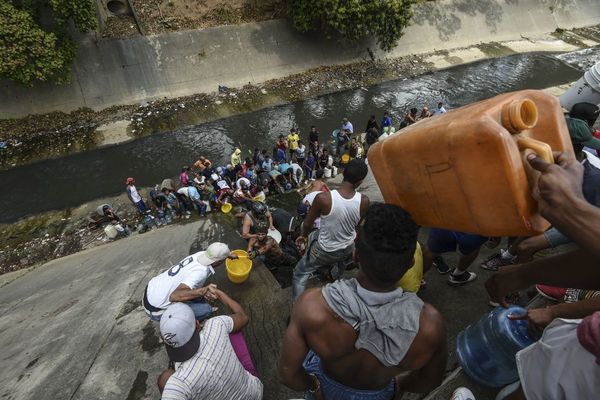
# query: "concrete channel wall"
[126,71]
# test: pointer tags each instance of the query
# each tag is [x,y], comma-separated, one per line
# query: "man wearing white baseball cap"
[206,364]
[184,282]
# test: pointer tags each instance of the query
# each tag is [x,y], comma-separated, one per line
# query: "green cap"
[581,133]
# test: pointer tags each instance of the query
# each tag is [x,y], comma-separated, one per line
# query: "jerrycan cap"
[519,115]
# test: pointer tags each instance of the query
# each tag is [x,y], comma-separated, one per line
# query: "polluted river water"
[70,181]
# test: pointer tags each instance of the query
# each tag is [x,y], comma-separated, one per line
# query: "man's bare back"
[315,325]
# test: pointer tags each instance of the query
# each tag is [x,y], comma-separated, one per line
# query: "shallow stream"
[76,179]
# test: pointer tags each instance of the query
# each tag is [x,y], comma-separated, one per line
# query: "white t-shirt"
[189,271]
[592,158]
[439,111]
[297,172]
[238,183]
[214,372]
[558,367]
[135,196]
[222,184]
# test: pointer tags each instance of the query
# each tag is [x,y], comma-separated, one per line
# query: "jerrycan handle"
[540,148]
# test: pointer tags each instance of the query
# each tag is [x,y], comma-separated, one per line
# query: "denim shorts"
[444,241]
[333,390]
[555,238]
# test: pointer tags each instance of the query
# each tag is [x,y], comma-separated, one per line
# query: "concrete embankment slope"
[74,328]
[125,71]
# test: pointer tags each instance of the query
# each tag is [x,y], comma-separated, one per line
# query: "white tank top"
[338,228]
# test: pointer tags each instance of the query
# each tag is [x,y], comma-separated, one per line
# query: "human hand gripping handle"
[559,184]
[557,191]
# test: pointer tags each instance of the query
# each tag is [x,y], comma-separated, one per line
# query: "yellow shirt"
[236,159]
[411,281]
[293,141]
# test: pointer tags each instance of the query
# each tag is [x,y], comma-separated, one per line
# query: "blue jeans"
[333,390]
[200,206]
[315,258]
[202,310]
[141,206]
[555,238]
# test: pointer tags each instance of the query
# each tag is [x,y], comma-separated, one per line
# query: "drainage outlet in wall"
[118,7]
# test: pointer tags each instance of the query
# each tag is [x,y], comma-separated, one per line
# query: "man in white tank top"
[340,211]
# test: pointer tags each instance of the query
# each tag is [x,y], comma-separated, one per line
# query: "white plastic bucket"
[111,231]
[585,90]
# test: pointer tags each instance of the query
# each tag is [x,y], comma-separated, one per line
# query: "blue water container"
[486,350]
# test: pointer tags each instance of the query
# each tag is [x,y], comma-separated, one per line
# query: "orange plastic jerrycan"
[466,170]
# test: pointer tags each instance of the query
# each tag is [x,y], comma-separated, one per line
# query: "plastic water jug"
[585,90]
[111,231]
[486,350]
[466,170]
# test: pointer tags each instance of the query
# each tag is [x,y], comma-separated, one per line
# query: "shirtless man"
[257,220]
[324,353]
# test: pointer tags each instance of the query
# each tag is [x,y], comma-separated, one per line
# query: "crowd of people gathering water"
[291,164]
[371,336]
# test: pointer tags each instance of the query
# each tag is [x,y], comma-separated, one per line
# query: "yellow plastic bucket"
[239,269]
[345,158]
[225,208]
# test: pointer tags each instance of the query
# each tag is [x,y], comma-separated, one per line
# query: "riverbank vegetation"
[385,20]
[35,39]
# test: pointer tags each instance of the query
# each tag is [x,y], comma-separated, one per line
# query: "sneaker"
[508,390]
[465,277]
[441,265]
[462,393]
[494,262]
[551,292]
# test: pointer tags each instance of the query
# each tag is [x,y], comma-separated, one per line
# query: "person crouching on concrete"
[184,282]
[212,361]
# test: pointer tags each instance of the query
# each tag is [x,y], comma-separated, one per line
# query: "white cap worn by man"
[207,366]
[184,282]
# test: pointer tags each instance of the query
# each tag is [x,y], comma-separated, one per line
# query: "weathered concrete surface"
[126,71]
[74,328]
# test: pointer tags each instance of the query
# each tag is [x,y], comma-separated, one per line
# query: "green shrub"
[355,19]
[35,44]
